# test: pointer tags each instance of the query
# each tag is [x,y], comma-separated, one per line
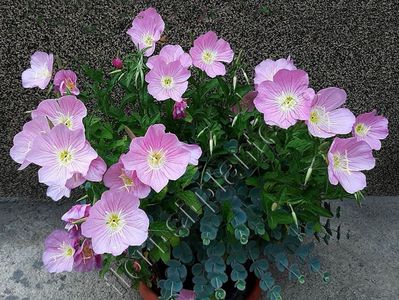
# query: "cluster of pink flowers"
[69,250]
[169,70]
[284,97]
[55,140]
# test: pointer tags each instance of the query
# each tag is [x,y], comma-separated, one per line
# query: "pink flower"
[151,14]
[117,178]
[85,260]
[326,118]
[286,99]
[59,252]
[168,54]
[61,153]
[346,159]
[96,170]
[39,73]
[65,82]
[186,295]
[157,157]
[115,223]
[23,140]
[77,212]
[146,30]
[179,110]
[208,53]
[371,128]
[117,63]
[167,81]
[67,110]
[268,68]
[95,173]
[247,103]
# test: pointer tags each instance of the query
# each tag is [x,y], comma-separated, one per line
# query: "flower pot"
[148,294]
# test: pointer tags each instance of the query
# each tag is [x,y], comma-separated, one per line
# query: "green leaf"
[188,177]
[191,200]
[93,74]
[278,217]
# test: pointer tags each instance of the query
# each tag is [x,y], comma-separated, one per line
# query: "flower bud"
[117,63]
[179,110]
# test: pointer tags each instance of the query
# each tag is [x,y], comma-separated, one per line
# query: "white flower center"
[147,40]
[319,116]
[208,56]
[167,82]
[156,159]
[64,157]
[287,102]
[114,221]
[66,120]
[43,73]
[341,162]
[361,129]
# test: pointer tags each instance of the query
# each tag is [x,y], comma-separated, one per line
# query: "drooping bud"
[179,110]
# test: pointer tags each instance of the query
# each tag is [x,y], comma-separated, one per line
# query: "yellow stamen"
[208,56]
[361,129]
[167,82]
[65,157]
[156,159]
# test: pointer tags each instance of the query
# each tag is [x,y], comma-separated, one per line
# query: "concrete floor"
[365,266]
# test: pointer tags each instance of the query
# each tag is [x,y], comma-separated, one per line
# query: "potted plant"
[196,183]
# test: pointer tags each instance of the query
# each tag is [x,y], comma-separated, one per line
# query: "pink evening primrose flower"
[167,80]
[85,260]
[39,73]
[95,173]
[115,223]
[186,295]
[179,110]
[371,128]
[326,117]
[61,153]
[346,159]
[67,110]
[286,99]
[59,251]
[157,157]
[168,54]
[146,30]
[23,140]
[117,178]
[209,52]
[268,68]
[65,82]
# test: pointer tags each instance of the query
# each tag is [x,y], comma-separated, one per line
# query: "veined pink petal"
[208,52]
[115,223]
[39,74]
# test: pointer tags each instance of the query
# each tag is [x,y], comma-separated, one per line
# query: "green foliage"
[257,192]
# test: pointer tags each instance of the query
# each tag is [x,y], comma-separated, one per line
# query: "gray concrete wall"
[349,44]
